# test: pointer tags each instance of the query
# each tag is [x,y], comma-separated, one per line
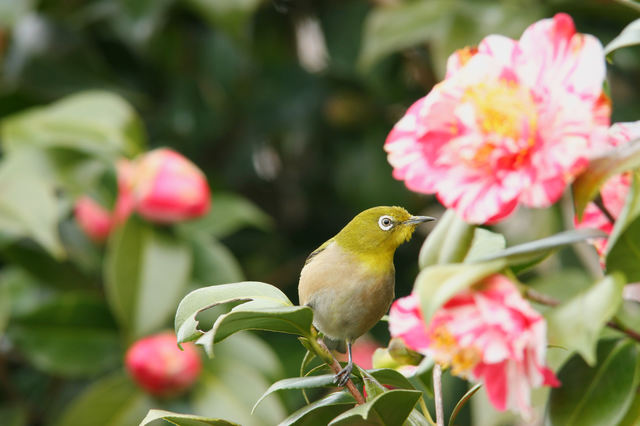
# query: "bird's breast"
[348,297]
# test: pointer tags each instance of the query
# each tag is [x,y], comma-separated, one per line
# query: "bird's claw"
[342,377]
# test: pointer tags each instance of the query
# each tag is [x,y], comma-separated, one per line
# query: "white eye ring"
[385,222]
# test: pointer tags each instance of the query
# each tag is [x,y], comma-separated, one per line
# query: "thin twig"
[335,366]
[605,211]
[544,299]
[437,393]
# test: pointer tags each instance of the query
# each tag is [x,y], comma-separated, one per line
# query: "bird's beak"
[415,220]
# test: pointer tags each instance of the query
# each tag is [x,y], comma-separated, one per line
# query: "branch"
[437,393]
[325,354]
[544,299]
[605,211]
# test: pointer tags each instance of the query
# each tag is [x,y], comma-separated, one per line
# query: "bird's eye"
[385,223]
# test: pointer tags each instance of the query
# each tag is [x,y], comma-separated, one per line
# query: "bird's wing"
[317,251]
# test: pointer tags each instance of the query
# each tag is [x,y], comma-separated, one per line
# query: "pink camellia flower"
[169,188]
[160,367]
[513,122]
[93,219]
[487,333]
[613,192]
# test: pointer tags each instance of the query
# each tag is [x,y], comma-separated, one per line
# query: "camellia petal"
[614,191]
[514,122]
[487,333]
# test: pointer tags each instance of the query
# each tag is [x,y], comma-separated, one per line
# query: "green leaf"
[145,273]
[372,387]
[308,382]
[600,169]
[113,400]
[320,412]
[448,242]
[229,387]
[96,122]
[465,398]
[213,263]
[576,324]
[485,243]
[72,335]
[390,29]
[597,395]
[28,206]
[186,324]
[525,255]
[228,214]
[623,251]
[437,284]
[5,305]
[632,418]
[230,16]
[389,408]
[391,377]
[629,36]
[183,419]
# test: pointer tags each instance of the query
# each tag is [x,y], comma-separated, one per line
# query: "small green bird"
[349,280]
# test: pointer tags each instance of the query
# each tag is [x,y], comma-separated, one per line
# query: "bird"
[349,281]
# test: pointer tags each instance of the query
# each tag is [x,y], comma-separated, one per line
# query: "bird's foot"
[343,375]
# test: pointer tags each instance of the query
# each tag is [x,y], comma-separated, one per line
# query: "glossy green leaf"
[28,206]
[391,377]
[182,419]
[448,242]
[113,400]
[322,411]
[597,395]
[96,122]
[389,408]
[623,251]
[390,29]
[525,255]
[600,169]
[186,324]
[630,36]
[437,284]
[484,243]
[372,387]
[229,213]
[72,335]
[576,324]
[228,389]
[632,417]
[146,271]
[308,382]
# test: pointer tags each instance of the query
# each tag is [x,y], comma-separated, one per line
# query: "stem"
[544,299]
[437,393]
[323,352]
[605,211]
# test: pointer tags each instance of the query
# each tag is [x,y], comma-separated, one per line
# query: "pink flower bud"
[169,188]
[93,219]
[160,367]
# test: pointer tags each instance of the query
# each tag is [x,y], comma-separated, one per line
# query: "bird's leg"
[343,375]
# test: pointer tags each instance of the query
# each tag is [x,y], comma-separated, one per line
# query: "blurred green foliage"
[284,103]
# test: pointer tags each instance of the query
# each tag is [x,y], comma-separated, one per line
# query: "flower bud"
[157,364]
[93,219]
[169,188]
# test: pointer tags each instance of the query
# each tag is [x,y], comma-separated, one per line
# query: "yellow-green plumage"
[349,280]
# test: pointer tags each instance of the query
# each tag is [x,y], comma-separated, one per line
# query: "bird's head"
[379,229]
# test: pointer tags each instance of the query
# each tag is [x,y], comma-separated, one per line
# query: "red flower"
[93,219]
[169,188]
[160,367]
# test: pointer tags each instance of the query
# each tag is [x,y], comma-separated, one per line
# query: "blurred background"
[285,105]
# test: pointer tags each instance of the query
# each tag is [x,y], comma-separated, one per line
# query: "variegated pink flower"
[169,188]
[487,333]
[614,191]
[513,122]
